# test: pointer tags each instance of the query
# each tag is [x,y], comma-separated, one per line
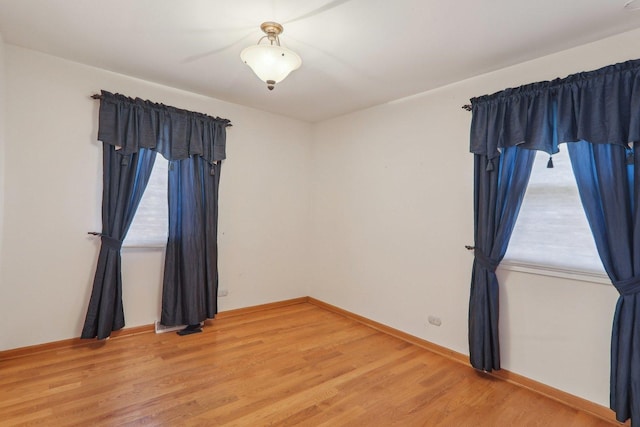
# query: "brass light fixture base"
[271,29]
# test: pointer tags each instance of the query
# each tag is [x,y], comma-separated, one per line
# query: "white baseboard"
[161,329]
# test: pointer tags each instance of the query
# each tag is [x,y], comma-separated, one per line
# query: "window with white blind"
[150,225]
[552,232]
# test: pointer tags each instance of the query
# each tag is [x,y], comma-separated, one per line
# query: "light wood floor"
[294,365]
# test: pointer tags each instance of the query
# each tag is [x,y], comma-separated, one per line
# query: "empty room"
[319,212]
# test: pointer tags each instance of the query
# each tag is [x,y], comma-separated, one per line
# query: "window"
[552,231]
[150,224]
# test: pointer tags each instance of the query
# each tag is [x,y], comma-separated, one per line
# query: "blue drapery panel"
[190,290]
[132,131]
[603,108]
[124,178]
[608,186]
[498,195]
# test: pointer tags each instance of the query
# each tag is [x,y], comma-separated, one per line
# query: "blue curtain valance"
[601,106]
[176,134]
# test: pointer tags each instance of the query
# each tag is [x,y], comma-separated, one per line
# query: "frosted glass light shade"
[271,63]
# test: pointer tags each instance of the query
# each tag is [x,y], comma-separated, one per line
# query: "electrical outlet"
[435,321]
[223,292]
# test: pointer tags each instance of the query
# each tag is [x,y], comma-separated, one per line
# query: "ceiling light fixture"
[271,62]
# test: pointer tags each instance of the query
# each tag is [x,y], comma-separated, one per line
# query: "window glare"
[150,223]
[552,229]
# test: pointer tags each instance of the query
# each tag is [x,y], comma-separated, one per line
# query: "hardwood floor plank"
[284,365]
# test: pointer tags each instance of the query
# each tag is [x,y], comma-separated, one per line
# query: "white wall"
[2,113]
[53,197]
[393,193]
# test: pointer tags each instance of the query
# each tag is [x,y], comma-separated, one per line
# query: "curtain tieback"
[628,287]
[484,261]
[111,243]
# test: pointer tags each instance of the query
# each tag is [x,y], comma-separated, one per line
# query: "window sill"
[153,246]
[564,273]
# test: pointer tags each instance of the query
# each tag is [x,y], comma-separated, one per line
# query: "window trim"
[559,272]
[144,246]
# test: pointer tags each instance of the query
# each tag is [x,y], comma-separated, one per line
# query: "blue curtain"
[124,181]
[132,131]
[607,183]
[190,287]
[498,195]
[603,108]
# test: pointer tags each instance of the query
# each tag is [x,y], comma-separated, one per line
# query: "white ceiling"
[355,53]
